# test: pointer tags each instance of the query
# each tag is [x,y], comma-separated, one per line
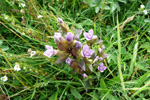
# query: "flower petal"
[48,47]
[86,47]
[48,53]
[91,51]
[82,53]
[91,31]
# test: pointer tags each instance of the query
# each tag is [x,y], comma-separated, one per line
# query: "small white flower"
[39,16]
[142,6]
[32,53]
[2,14]
[22,11]
[17,67]
[145,12]
[24,68]
[22,5]
[6,17]
[4,78]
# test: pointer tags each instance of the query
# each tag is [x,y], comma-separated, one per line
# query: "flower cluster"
[142,8]
[81,57]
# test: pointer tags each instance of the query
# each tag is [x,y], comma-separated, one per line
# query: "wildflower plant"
[79,55]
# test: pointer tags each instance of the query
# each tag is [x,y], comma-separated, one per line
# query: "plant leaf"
[103,86]
[142,79]
[4,48]
[147,20]
[54,96]
[75,93]
[141,67]
[87,22]
[82,64]
[123,1]
[97,9]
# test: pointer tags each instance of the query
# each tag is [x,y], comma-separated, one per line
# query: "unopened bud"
[57,37]
[103,47]
[100,59]
[60,20]
[69,37]
[99,50]
[105,56]
[22,11]
[78,45]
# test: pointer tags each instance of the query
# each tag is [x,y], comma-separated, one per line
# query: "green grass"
[40,78]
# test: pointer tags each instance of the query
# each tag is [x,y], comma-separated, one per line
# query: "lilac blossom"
[89,35]
[101,67]
[86,52]
[78,45]
[69,37]
[84,75]
[49,52]
[68,61]
[57,37]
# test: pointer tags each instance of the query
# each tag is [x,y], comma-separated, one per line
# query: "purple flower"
[57,37]
[101,67]
[69,37]
[84,75]
[78,45]
[89,35]
[49,52]
[86,52]
[68,61]
[60,20]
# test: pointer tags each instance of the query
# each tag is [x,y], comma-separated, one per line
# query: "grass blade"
[134,56]
[119,55]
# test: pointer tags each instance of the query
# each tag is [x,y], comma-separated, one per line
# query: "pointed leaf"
[54,96]
[4,48]
[75,93]
[97,9]
[82,64]
[123,1]
[103,86]
[142,79]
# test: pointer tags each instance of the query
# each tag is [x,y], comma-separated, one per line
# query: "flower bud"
[69,37]
[68,61]
[105,56]
[99,50]
[100,59]
[84,75]
[96,59]
[78,45]
[22,11]
[60,20]
[142,6]
[103,47]
[57,37]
